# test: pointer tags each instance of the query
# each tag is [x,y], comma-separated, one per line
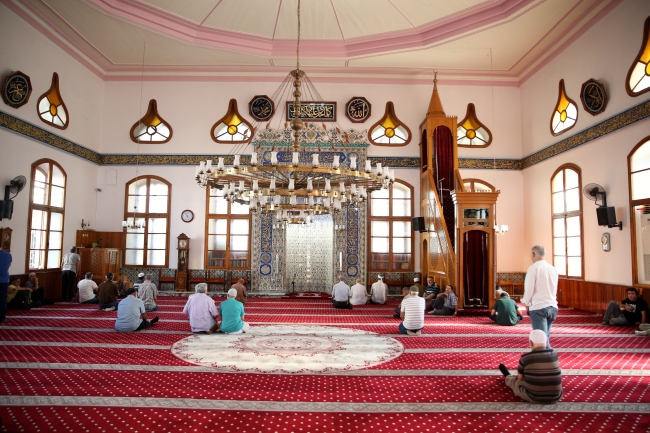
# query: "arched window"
[639,171]
[149,199]
[477,185]
[227,233]
[566,203]
[46,214]
[391,237]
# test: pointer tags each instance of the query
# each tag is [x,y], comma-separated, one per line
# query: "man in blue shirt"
[232,315]
[5,262]
[131,315]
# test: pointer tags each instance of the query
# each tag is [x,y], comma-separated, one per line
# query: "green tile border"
[607,126]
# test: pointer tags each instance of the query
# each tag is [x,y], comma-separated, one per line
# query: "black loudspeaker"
[606,216]
[6,209]
[418,224]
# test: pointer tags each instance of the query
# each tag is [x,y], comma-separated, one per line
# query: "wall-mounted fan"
[7,205]
[606,215]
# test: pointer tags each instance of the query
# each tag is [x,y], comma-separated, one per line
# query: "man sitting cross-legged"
[88,290]
[379,291]
[202,311]
[505,310]
[628,312]
[107,293]
[131,315]
[232,315]
[341,294]
[539,377]
[148,293]
[359,295]
[18,297]
[412,313]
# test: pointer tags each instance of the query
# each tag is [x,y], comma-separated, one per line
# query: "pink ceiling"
[342,40]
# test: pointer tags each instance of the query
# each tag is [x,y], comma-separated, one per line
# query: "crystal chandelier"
[297,189]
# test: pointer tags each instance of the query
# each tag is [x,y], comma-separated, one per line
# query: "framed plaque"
[16,89]
[261,108]
[593,97]
[357,109]
[314,111]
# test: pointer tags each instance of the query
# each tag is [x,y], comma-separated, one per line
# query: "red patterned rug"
[307,367]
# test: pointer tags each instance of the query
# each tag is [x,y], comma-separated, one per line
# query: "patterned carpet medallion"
[289,349]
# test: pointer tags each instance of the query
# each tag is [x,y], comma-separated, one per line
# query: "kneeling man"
[202,311]
[539,378]
[131,315]
[412,313]
[232,315]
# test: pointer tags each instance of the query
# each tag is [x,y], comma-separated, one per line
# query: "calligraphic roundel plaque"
[16,89]
[261,108]
[357,109]
[593,97]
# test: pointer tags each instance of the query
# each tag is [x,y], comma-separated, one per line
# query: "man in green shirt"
[232,315]
[505,311]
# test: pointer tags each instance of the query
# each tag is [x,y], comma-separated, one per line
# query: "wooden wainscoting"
[590,296]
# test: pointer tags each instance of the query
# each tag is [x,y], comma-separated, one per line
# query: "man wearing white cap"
[420,287]
[539,377]
[379,291]
[232,315]
[140,280]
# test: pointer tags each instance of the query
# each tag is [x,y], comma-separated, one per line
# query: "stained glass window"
[46,212]
[232,128]
[148,199]
[638,77]
[152,128]
[639,172]
[227,237]
[471,132]
[566,204]
[389,131]
[51,108]
[391,236]
[565,114]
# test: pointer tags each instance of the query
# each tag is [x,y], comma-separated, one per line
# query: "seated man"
[539,377]
[628,312]
[341,294]
[148,293]
[35,297]
[17,297]
[232,315]
[412,313]
[88,290]
[431,292]
[202,311]
[131,315]
[379,291]
[359,294]
[416,283]
[140,280]
[107,293]
[242,295]
[446,304]
[505,310]
[406,292]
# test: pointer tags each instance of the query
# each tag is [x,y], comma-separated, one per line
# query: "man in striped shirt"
[412,313]
[539,377]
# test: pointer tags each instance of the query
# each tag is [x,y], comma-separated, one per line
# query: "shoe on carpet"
[504,370]
[644,326]
[605,322]
[418,333]
[641,332]
[411,332]
[154,320]
[108,309]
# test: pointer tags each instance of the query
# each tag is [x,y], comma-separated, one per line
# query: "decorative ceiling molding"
[626,118]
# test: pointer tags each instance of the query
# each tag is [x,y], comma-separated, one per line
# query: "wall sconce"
[85,224]
[501,230]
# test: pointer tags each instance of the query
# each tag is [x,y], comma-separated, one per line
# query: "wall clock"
[593,97]
[187,215]
[261,108]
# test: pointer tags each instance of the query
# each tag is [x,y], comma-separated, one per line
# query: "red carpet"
[63,368]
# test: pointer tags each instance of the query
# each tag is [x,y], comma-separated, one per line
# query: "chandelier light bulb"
[326,202]
[241,186]
[274,158]
[272,186]
[292,201]
[292,184]
[276,200]
[328,186]
[342,187]
[255,186]
[263,200]
[209,165]
[314,160]
[378,169]
[202,167]
[196,174]
[353,163]
[336,161]
[295,159]
[220,165]
[254,159]
[368,166]
[236,163]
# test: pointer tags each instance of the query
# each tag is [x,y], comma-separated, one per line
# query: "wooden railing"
[590,296]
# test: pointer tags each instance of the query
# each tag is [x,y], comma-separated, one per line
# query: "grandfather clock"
[183,257]
[5,239]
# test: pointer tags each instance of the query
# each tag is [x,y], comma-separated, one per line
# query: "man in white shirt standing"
[88,290]
[412,313]
[540,292]
[379,291]
[202,311]
[69,275]
[341,294]
[359,294]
